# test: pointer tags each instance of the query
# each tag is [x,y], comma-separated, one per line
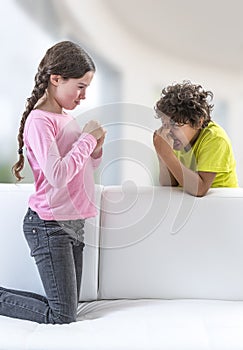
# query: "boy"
[193,151]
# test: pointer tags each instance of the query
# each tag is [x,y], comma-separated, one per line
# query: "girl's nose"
[82,95]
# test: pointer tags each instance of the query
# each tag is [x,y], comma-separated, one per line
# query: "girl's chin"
[71,108]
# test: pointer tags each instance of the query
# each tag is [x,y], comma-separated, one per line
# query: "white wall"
[145,70]
[22,46]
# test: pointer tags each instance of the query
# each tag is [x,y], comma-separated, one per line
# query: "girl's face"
[68,93]
[182,134]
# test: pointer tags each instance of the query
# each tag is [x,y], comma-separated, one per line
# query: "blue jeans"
[57,248]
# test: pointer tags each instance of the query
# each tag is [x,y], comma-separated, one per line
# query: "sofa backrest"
[162,243]
[17,268]
[146,242]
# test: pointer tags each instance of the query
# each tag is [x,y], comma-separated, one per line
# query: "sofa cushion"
[163,243]
[134,324]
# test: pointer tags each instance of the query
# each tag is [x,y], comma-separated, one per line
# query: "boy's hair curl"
[186,103]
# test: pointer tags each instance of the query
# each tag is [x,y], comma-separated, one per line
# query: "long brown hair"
[66,59]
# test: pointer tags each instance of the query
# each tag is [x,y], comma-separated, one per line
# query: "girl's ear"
[55,79]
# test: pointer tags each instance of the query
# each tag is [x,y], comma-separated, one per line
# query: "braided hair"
[64,58]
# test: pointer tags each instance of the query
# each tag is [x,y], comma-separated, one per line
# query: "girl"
[62,158]
[194,152]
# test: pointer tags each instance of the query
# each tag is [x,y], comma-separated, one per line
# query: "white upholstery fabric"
[134,324]
[17,268]
[154,243]
[163,243]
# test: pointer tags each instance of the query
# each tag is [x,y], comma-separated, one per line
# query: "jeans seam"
[53,274]
[23,307]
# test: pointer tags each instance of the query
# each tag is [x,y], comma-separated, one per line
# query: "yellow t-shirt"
[212,152]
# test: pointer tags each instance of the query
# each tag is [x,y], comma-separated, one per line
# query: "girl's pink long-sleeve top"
[60,157]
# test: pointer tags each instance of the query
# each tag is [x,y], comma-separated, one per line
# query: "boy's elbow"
[200,195]
[201,192]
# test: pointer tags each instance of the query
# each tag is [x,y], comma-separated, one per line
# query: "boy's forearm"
[165,176]
[187,178]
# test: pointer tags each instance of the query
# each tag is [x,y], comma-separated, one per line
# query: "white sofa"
[162,270]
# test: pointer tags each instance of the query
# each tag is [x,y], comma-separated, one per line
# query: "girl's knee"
[58,318]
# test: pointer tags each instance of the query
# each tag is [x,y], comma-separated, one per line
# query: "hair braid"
[41,83]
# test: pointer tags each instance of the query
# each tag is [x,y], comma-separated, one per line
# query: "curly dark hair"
[186,103]
[65,58]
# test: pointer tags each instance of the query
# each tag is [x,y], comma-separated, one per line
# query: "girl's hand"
[95,129]
[97,152]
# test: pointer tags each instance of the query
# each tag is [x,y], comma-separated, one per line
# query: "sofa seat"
[135,324]
[162,270]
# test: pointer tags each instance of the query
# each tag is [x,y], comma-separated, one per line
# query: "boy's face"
[182,134]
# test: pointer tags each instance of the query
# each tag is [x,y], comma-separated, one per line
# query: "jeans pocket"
[31,234]
[53,227]
[35,233]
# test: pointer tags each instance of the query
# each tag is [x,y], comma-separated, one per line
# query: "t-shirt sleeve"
[59,170]
[214,155]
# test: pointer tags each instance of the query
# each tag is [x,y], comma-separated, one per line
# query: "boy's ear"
[55,79]
[200,122]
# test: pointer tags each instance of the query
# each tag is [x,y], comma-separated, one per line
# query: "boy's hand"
[163,141]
